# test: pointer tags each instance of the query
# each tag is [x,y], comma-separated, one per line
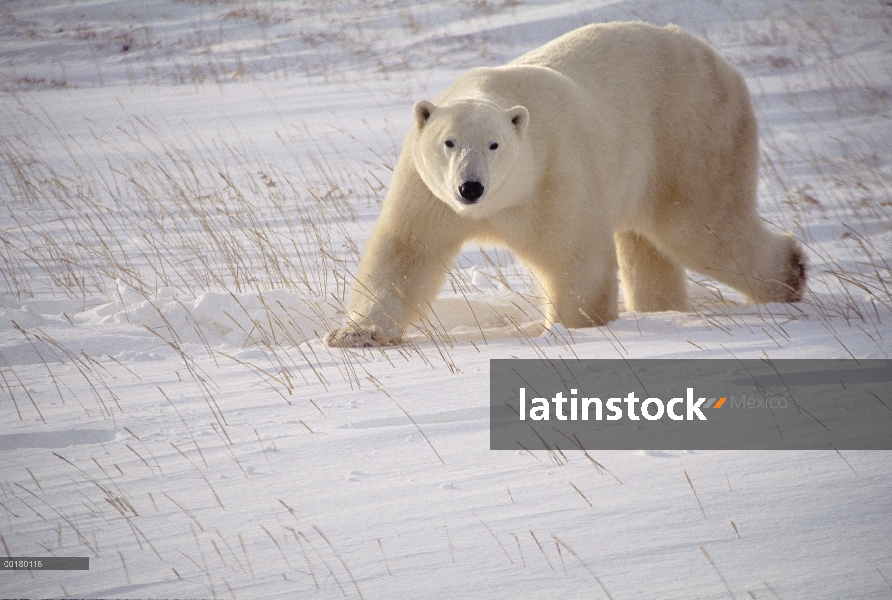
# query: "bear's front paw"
[355,337]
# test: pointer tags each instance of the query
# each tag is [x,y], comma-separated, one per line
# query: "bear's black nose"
[470,191]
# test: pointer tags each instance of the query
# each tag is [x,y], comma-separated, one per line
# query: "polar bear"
[618,146]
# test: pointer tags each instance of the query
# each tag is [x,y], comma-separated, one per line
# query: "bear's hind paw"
[797,274]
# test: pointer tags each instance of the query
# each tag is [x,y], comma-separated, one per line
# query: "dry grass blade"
[560,543]
[380,387]
[690,483]
[580,493]
[717,572]
[496,538]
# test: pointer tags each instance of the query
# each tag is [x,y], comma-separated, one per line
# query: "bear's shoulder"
[513,84]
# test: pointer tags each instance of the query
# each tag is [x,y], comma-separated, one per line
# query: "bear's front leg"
[581,288]
[401,271]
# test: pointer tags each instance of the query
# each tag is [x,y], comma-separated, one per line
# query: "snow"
[187,187]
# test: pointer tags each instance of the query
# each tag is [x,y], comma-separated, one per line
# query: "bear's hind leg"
[651,281]
[766,266]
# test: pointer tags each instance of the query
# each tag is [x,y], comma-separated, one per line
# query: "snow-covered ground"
[186,187]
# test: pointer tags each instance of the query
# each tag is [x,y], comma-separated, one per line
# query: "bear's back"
[633,56]
[648,75]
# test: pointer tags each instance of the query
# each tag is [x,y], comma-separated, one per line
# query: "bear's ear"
[520,118]
[422,110]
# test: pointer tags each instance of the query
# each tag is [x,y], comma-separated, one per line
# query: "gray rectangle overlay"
[793,404]
[44,563]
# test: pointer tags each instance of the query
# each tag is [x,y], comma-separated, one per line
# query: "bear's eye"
[449,143]
[493,146]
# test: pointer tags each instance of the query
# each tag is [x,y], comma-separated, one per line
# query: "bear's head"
[466,149]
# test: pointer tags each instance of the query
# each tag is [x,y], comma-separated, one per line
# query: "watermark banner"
[665,404]
[45,563]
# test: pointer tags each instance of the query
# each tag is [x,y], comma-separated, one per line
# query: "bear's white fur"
[617,145]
